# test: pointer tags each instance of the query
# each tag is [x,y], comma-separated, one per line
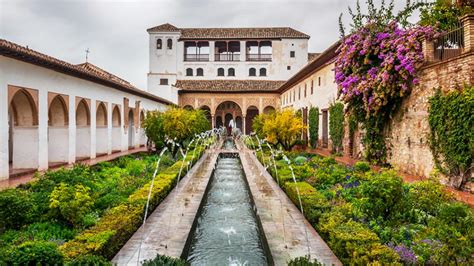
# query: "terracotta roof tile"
[85,71]
[228,85]
[312,56]
[232,33]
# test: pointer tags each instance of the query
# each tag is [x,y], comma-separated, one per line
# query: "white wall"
[58,144]
[83,143]
[35,142]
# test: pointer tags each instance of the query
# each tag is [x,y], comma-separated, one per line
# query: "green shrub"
[71,203]
[300,160]
[361,167]
[35,253]
[336,125]
[304,261]
[313,119]
[380,195]
[15,209]
[426,198]
[162,260]
[302,172]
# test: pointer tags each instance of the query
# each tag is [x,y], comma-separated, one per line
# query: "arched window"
[263,72]
[189,72]
[231,72]
[169,44]
[220,72]
[252,72]
[159,44]
[199,72]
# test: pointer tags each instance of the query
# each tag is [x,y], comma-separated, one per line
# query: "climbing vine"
[451,119]
[313,126]
[336,125]
[376,68]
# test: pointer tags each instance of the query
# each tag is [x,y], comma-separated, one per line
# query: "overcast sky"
[115,31]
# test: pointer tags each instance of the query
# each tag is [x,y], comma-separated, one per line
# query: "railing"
[227,57]
[259,57]
[196,57]
[449,44]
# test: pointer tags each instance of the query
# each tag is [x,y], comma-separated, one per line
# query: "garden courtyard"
[382,176]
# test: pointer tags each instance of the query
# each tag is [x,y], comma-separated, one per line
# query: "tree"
[177,124]
[282,128]
[313,126]
[336,125]
[444,13]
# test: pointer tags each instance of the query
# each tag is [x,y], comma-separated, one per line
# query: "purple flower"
[406,254]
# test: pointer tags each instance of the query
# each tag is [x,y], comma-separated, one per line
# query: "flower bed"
[373,217]
[83,213]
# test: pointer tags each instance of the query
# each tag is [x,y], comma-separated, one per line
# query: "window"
[196,51]
[163,81]
[199,72]
[169,44]
[231,72]
[292,54]
[299,93]
[319,81]
[189,72]
[258,50]
[263,72]
[227,51]
[159,44]
[288,67]
[220,72]
[252,72]
[305,87]
[312,87]
[294,95]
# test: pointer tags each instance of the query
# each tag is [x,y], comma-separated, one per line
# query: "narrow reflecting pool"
[227,231]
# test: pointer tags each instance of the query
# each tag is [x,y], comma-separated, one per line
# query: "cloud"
[115,31]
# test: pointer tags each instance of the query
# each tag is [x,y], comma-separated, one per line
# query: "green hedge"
[120,223]
[313,120]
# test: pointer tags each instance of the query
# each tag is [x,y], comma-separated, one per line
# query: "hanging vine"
[451,119]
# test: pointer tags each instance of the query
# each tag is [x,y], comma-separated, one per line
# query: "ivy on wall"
[451,119]
[313,126]
[336,125]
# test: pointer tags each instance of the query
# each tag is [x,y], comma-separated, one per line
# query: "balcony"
[196,57]
[227,57]
[259,57]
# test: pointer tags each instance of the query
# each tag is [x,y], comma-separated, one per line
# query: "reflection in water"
[227,232]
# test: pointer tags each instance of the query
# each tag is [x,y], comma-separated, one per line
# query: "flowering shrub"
[375,68]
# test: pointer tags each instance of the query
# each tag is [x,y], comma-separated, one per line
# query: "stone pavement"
[167,228]
[286,229]
[459,195]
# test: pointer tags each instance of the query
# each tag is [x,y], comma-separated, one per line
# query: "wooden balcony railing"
[259,57]
[227,57]
[196,57]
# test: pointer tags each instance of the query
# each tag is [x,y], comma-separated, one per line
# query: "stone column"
[109,127]
[4,168]
[243,51]
[72,129]
[93,128]
[213,120]
[244,124]
[468,23]
[43,129]
[428,50]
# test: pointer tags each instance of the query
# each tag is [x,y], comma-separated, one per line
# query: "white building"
[53,112]
[233,54]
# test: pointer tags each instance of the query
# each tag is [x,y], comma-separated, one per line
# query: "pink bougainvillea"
[377,65]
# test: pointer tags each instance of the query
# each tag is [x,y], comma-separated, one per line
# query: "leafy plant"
[444,14]
[71,203]
[313,126]
[451,119]
[15,209]
[304,261]
[89,260]
[162,260]
[35,253]
[336,125]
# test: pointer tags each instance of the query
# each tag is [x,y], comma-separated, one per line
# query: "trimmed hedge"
[120,223]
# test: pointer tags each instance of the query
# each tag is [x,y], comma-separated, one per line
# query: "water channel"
[227,230]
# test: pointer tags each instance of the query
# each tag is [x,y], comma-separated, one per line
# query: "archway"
[207,113]
[268,110]
[116,130]
[131,130]
[219,122]
[102,138]
[228,110]
[83,130]
[238,121]
[23,131]
[252,112]
[58,133]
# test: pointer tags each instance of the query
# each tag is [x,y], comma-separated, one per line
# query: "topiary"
[35,253]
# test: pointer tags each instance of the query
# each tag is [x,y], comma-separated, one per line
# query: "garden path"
[284,225]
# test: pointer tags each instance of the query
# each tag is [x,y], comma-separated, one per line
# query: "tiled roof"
[85,71]
[228,85]
[232,33]
[312,56]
